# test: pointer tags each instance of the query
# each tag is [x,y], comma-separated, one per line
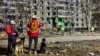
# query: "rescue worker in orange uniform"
[12,35]
[33,33]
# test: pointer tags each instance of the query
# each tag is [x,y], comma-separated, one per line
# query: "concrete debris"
[63,51]
[69,44]
[3,35]
[67,48]
[91,53]
[80,46]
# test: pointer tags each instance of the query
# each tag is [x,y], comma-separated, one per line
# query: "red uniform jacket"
[35,34]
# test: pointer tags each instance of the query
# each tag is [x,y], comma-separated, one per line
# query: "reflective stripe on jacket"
[35,32]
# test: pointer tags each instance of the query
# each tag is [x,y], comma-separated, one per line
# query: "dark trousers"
[35,43]
[11,43]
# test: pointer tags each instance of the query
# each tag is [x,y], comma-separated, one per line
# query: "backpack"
[34,26]
[8,29]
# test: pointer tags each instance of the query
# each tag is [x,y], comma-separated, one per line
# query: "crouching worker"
[33,33]
[43,46]
[12,34]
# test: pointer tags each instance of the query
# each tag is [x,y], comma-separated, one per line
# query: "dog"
[19,46]
[43,46]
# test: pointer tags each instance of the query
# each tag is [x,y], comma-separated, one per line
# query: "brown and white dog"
[19,46]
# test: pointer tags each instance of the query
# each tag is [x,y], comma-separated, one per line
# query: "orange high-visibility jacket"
[9,29]
[33,26]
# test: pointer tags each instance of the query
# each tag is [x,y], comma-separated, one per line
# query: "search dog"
[19,46]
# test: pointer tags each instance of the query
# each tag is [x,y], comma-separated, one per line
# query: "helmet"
[12,22]
[34,16]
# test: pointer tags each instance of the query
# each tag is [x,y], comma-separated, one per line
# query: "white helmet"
[34,16]
[12,22]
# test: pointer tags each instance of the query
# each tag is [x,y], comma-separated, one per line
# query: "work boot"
[30,52]
[35,52]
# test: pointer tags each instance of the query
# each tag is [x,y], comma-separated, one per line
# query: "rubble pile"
[3,35]
[79,48]
[48,33]
[73,48]
[68,48]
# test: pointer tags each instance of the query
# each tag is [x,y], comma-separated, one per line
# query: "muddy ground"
[72,48]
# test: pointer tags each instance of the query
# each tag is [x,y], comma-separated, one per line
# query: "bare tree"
[96,14]
[91,10]
[87,10]
[96,20]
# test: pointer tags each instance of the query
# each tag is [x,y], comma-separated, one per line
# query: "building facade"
[49,10]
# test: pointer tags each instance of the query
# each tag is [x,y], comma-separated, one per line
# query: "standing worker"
[33,33]
[92,29]
[12,34]
[62,30]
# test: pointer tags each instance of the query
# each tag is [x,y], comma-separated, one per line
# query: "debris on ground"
[68,48]
[3,35]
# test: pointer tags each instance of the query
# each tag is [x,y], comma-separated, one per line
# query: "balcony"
[11,14]
[61,0]
[74,1]
[4,1]
[63,11]
[11,2]
[63,16]
[13,8]
[59,5]
[20,2]
[1,14]
[3,7]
